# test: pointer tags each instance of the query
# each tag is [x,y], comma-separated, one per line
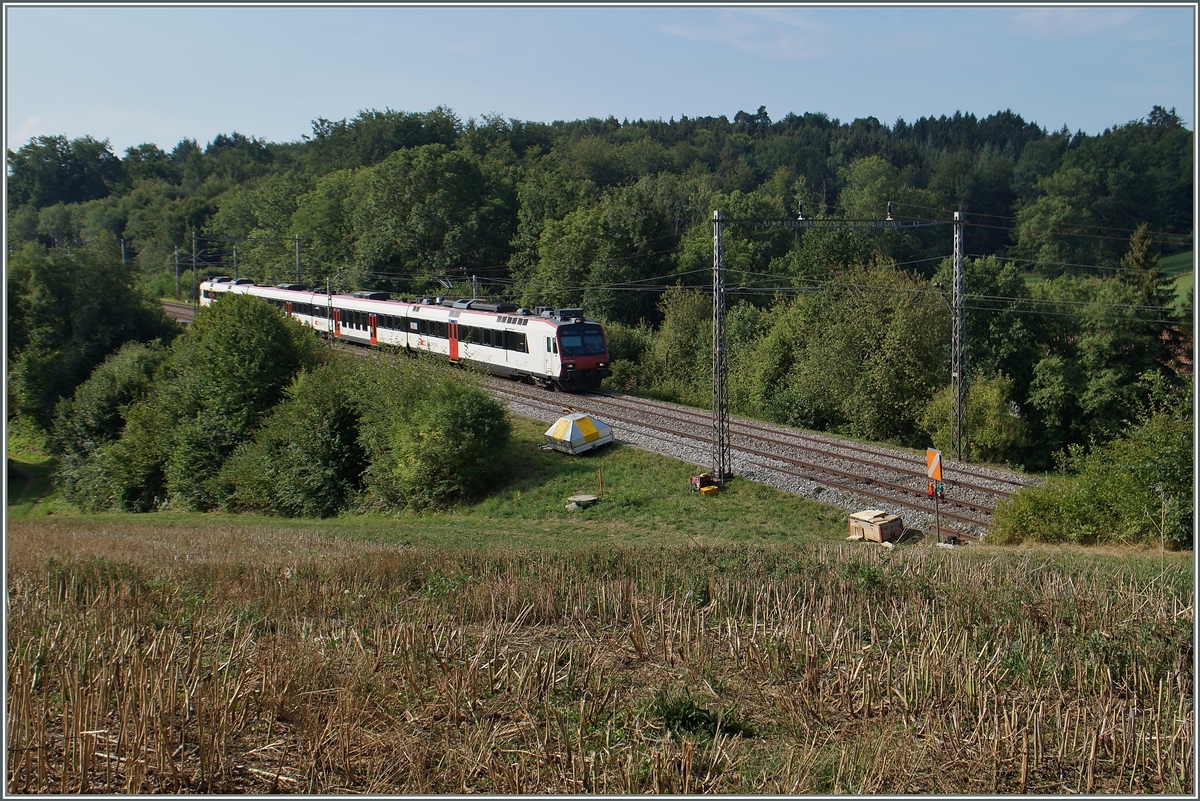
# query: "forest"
[1077,335]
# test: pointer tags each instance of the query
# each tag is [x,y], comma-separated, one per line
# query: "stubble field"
[147,657]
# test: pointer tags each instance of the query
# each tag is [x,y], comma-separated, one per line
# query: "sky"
[161,74]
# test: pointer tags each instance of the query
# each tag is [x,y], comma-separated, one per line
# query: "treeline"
[394,199]
[1070,322]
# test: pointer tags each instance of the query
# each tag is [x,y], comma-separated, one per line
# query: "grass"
[646,500]
[1181,265]
[30,486]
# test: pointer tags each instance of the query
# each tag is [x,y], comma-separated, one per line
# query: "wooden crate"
[876,526]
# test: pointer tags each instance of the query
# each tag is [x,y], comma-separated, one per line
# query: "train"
[554,348]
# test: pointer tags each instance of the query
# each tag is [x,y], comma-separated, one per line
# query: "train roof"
[552,315]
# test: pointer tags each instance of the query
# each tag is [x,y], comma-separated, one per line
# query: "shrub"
[432,437]
[1137,488]
[996,430]
[219,381]
[95,417]
[306,460]
[67,313]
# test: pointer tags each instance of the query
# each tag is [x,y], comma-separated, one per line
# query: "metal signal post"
[722,467]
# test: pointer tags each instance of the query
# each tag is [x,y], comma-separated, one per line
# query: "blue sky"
[145,74]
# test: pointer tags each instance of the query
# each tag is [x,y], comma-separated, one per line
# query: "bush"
[996,431]
[67,313]
[306,460]
[95,417]
[219,381]
[1136,489]
[432,436]
[627,349]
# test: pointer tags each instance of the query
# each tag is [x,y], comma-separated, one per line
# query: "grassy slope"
[646,500]
[1181,265]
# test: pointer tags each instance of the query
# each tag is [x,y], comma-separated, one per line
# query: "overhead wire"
[1010,217]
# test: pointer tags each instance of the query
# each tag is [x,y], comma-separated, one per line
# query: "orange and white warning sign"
[933,464]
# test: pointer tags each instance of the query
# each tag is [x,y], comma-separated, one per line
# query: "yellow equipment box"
[713,490]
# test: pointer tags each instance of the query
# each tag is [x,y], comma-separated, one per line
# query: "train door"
[551,356]
[373,328]
[337,322]
[453,333]
[288,303]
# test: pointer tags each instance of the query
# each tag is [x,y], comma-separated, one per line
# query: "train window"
[581,340]
[547,344]
[515,340]
[441,331]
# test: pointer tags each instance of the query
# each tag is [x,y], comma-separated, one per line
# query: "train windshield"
[581,340]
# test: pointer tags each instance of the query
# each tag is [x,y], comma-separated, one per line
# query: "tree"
[1104,188]
[430,211]
[149,162]
[996,429]
[432,437]
[49,170]
[66,314]
[595,255]
[1140,270]
[862,355]
[374,135]
[219,381]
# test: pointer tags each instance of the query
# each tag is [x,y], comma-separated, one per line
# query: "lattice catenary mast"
[722,468]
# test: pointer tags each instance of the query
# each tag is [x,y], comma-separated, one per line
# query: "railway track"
[824,468]
[181,312]
[973,478]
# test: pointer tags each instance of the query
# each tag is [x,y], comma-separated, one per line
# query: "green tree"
[1140,270]
[596,255]
[996,431]
[431,436]
[219,381]
[430,211]
[66,314]
[49,170]
[681,356]
[862,354]
[1138,488]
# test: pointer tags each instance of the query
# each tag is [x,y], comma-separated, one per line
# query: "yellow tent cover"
[576,433]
